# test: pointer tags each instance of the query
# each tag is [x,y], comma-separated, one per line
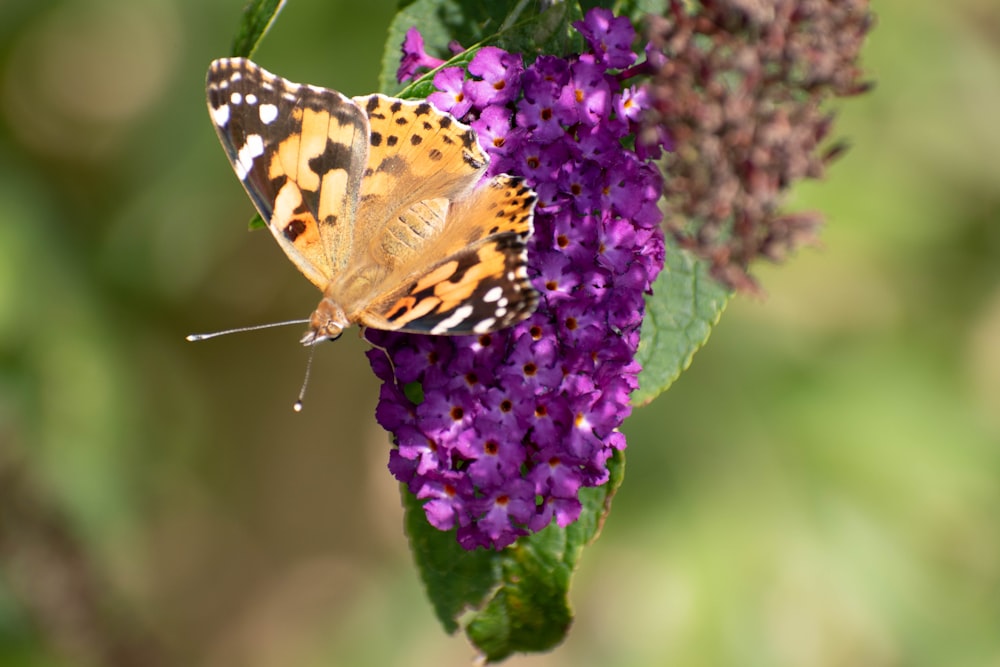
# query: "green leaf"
[258,16]
[684,306]
[256,222]
[532,33]
[414,391]
[455,578]
[515,26]
[514,600]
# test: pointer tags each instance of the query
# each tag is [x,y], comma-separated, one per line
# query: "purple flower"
[495,461]
[414,56]
[540,118]
[564,510]
[630,103]
[610,38]
[497,77]
[448,495]
[586,97]
[512,424]
[498,137]
[545,77]
[503,513]
[451,95]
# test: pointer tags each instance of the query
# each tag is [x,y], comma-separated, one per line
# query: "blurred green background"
[822,487]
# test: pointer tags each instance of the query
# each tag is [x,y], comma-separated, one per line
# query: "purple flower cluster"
[512,424]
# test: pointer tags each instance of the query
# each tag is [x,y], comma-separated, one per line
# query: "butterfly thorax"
[344,297]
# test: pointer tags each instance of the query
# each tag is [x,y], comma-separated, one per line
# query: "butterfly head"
[327,323]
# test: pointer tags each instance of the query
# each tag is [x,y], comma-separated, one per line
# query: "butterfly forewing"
[299,152]
[423,152]
[416,154]
[504,204]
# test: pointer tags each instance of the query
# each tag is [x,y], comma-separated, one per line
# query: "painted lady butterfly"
[377,201]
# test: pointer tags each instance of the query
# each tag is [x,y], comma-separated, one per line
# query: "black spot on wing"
[334,156]
[472,160]
[392,165]
[215,97]
[465,263]
[510,241]
[278,182]
[294,229]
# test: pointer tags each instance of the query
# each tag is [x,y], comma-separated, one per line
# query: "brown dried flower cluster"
[741,94]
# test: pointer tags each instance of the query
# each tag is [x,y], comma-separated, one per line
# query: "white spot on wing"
[484,326]
[221,115]
[236,98]
[251,98]
[253,147]
[493,295]
[268,112]
[456,318]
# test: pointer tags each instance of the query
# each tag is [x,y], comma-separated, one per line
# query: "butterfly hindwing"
[300,153]
[483,287]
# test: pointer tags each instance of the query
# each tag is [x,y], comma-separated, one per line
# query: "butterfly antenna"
[256,327]
[305,381]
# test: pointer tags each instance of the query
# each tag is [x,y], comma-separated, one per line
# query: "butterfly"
[380,202]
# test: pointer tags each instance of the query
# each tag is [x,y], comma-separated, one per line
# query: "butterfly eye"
[326,323]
